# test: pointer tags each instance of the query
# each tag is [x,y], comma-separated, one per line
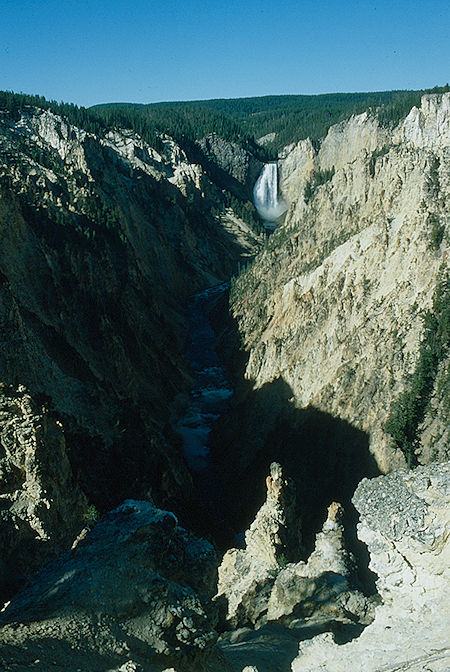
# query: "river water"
[209,396]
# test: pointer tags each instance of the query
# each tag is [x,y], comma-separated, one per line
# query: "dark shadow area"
[219,175]
[325,456]
[274,646]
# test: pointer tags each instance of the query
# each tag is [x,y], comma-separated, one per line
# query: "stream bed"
[209,395]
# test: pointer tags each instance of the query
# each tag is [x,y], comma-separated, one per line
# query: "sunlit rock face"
[334,305]
[405,523]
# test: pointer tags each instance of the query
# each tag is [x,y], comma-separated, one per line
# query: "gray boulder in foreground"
[136,587]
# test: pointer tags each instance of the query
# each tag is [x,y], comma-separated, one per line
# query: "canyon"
[116,460]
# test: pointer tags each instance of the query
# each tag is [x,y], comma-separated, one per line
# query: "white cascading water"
[265,194]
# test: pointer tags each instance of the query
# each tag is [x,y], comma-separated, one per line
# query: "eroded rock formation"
[405,523]
[239,170]
[102,240]
[267,581]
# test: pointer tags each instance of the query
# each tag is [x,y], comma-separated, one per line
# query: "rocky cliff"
[342,324]
[315,623]
[135,594]
[103,239]
[330,315]
[405,523]
[237,168]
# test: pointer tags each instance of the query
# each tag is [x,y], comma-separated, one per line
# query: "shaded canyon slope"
[343,312]
[102,240]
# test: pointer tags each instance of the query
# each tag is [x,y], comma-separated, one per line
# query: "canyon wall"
[330,315]
[343,313]
[103,239]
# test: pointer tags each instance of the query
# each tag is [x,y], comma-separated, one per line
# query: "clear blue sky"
[92,51]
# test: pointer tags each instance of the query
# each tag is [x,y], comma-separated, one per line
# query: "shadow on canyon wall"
[324,455]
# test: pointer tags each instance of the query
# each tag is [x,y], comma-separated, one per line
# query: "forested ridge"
[185,125]
[290,117]
[243,120]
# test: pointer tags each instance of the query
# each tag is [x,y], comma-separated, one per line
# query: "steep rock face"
[103,238]
[427,126]
[267,582]
[136,586]
[234,162]
[330,314]
[405,523]
[41,505]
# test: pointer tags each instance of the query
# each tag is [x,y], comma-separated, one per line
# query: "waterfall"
[265,194]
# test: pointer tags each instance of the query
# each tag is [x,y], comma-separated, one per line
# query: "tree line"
[241,120]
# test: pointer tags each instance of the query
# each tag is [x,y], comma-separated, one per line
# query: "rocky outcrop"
[238,168]
[404,520]
[323,587]
[267,582]
[275,532]
[135,590]
[42,507]
[427,126]
[246,576]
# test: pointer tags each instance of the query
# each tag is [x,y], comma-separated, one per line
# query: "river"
[209,395]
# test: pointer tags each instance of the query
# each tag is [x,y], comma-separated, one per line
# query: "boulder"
[136,587]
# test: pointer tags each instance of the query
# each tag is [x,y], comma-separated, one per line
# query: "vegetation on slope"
[318,178]
[183,125]
[183,128]
[290,117]
[81,117]
[408,411]
[241,120]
